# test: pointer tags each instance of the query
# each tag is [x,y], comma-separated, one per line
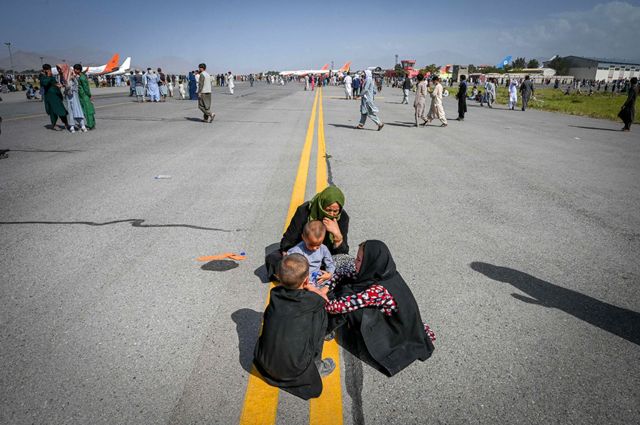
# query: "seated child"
[315,252]
[288,352]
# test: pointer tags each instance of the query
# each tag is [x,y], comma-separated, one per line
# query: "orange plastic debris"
[225,256]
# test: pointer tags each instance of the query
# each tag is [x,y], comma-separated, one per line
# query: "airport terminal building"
[600,69]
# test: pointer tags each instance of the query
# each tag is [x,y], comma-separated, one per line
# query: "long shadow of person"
[619,321]
[248,327]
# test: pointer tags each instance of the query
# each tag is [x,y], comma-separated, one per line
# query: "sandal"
[359,127]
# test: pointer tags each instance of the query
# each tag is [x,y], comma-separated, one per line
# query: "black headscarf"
[377,265]
[395,341]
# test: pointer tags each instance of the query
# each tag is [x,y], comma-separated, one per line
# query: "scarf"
[65,72]
[323,199]
[377,265]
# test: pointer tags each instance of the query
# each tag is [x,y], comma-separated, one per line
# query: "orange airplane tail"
[345,67]
[326,66]
[112,65]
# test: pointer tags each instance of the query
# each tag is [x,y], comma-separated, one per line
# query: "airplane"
[305,71]
[122,69]
[506,61]
[324,70]
[99,70]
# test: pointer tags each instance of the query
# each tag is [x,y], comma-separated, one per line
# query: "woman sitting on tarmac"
[326,206]
[380,311]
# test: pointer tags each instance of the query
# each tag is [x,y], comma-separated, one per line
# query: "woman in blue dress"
[152,86]
[192,86]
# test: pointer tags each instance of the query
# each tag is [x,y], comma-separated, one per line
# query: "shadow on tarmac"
[352,127]
[595,128]
[619,321]
[135,222]
[261,273]
[45,151]
[401,124]
[354,353]
[248,324]
[219,265]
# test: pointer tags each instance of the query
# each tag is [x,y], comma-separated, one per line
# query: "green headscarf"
[323,199]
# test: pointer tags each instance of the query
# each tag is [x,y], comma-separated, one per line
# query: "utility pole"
[10,56]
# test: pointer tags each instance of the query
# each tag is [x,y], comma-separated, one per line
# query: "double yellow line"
[261,400]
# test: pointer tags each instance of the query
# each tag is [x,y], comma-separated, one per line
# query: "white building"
[600,69]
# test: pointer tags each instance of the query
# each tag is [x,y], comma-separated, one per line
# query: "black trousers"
[462,107]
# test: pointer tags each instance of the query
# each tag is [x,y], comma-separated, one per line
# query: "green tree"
[491,70]
[399,70]
[472,69]
[560,65]
[430,69]
[533,63]
[519,63]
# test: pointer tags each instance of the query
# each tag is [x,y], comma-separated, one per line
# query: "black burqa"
[295,323]
[396,341]
[628,111]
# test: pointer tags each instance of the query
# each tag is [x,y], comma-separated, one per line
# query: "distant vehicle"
[126,66]
[324,70]
[506,61]
[97,70]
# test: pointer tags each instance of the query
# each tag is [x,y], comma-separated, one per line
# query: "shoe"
[211,117]
[359,127]
[459,119]
[331,335]
[84,129]
[72,129]
[443,125]
[325,367]
[380,127]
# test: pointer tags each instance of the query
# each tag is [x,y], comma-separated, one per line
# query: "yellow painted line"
[24,117]
[321,162]
[300,185]
[261,399]
[326,409]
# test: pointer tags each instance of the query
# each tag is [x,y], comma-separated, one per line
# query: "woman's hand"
[332,227]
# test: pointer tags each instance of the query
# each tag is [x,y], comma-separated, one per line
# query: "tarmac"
[518,233]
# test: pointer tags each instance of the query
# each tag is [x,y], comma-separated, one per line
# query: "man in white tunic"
[347,86]
[513,94]
[436,110]
[230,82]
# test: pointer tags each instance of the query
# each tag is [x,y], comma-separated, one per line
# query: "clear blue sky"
[256,36]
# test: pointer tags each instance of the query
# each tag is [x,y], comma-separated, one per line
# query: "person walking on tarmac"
[204,93]
[368,107]
[406,88]
[462,98]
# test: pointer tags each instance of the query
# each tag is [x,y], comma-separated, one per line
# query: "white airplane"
[122,69]
[324,70]
[92,70]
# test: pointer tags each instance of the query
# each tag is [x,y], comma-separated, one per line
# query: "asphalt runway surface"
[518,233]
